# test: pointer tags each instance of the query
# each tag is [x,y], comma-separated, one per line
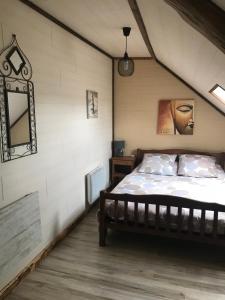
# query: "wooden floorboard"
[130,267]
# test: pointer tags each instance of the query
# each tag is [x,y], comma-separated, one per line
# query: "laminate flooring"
[130,267]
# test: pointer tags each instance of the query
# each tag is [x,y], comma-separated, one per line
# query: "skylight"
[218,92]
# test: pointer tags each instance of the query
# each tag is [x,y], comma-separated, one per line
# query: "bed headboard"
[220,157]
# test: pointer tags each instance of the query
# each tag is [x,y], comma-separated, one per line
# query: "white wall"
[69,145]
[136,111]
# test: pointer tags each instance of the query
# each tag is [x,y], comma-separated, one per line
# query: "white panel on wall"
[69,145]
[20,232]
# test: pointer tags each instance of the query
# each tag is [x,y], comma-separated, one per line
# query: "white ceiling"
[99,21]
[176,44]
[183,49]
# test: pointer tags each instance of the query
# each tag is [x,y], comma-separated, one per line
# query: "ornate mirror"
[17,112]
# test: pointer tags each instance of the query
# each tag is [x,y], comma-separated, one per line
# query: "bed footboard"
[155,227]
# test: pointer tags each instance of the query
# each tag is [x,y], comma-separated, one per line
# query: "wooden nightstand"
[121,166]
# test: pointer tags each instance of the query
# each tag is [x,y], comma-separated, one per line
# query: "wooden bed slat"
[157,220]
[168,211]
[146,214]
[179,219]
[136,212]
[202,224]
[215,224]
[116,211]
[190,220]
[126,211]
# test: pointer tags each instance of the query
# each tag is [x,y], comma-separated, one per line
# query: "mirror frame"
[18,83]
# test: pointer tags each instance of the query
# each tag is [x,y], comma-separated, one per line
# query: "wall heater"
[95,182]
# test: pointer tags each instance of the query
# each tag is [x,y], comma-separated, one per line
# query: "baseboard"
[37,260]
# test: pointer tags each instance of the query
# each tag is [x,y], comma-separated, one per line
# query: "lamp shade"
[125,66]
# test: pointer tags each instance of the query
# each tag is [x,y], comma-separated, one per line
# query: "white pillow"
[159,164]
[195,165]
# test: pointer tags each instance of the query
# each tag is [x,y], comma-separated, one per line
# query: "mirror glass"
[18,111]
[16,60]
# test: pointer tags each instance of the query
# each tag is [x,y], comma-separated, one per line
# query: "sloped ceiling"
[220,3]
[99,21]
[176,44]
[184,50]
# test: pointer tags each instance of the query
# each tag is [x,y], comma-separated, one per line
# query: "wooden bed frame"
[162,200]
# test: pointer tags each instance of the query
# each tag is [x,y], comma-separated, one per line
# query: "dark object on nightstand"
[118,148]
[121,166]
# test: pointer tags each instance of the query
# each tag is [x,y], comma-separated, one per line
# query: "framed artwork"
[92,104]
[176,117]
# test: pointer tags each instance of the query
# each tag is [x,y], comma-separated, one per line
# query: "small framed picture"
[92,104]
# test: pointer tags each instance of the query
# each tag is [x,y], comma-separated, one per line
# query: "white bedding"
[200,189]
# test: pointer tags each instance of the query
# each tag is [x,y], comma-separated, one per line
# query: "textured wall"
[69,145]
[136,109]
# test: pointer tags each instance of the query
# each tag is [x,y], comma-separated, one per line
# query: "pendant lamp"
[126,64]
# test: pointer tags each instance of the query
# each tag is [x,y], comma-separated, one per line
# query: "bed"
[174,206]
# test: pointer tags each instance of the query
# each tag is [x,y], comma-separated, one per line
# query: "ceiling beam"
[64,26]
[137,15]
[205,16]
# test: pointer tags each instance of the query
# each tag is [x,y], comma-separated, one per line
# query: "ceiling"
[220,3]
[176,44]
[183,49]
[99,21]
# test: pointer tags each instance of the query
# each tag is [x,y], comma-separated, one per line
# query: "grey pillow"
[159,164]
[194,165]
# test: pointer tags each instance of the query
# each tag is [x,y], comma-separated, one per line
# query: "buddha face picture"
[176,117]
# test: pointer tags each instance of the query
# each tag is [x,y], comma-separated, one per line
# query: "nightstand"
[121,166]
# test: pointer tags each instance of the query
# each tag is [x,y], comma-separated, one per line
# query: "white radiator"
[95,182]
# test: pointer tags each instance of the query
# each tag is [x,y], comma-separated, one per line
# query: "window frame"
[217,97]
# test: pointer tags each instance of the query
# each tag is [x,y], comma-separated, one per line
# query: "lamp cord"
[126,44]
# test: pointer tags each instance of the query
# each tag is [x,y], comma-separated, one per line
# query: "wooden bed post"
[102,226]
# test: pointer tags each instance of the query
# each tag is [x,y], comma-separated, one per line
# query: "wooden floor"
[131,267]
